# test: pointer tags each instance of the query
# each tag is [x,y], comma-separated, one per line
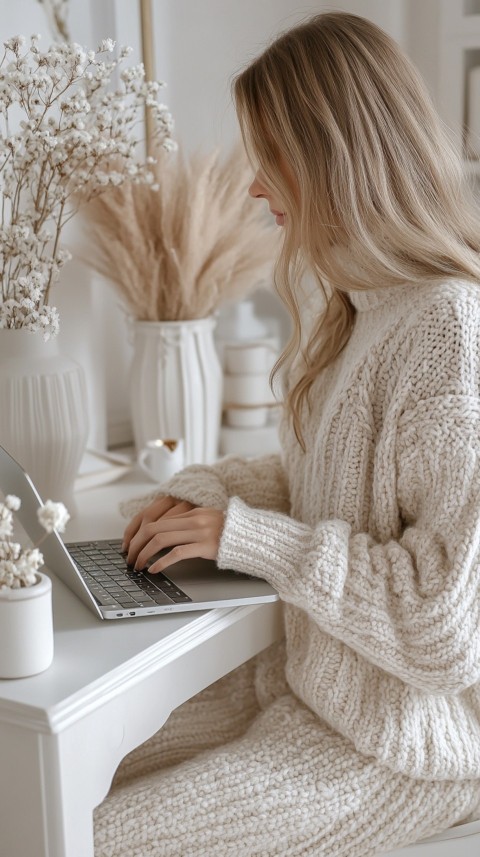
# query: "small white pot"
[26,629]
[246,417]
[254,358]
[247,390]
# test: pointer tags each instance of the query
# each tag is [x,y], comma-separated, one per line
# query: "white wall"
[422,32]
[200,45]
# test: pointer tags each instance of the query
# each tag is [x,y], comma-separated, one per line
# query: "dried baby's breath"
[19,565]
[73,124]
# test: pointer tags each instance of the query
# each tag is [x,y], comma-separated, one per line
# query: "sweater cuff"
[263,543]
[197,484]
[302,563]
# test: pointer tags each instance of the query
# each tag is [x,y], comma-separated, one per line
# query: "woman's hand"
[191,531]
[156,509]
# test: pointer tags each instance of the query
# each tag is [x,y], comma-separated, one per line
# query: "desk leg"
[37,817]
[50,781]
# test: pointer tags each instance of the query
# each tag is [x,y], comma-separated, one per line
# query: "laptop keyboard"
[113,583]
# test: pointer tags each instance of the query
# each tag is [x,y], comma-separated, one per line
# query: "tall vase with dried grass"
[177,251]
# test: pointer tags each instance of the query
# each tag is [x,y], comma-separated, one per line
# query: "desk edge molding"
[62,715]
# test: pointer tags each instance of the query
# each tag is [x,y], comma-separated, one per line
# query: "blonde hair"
[374,172]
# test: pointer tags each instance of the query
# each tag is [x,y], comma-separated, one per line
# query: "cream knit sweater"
[362,733]
[372,537]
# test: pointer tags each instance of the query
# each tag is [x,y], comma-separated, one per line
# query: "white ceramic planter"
[176,386]
[248,390]
[249,417]
[26,629]
[43,417]
[251,358]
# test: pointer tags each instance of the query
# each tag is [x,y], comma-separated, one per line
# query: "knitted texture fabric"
[372,539]
[290,785]
[230,705]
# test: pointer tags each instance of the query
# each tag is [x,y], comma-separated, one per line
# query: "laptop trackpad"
[193,571]
[202,580]
[197,570]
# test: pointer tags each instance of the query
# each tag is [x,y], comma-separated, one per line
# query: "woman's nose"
[256,189]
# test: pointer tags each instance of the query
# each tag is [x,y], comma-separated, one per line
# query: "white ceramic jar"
[248,390]
[26,629]
[255,358]
[246,417]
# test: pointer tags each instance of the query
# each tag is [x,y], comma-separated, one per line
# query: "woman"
[362,732]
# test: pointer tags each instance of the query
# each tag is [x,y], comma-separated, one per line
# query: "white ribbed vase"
[26,629]
[176,386]
[43,413]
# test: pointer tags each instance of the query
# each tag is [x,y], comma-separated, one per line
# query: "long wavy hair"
[345,135]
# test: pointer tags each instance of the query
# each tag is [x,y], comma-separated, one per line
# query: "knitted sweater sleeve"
[410,606]
[260,481]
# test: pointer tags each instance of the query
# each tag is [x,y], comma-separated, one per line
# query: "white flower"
[30,560]
[15,43]
[9,550]
[6,527]
[12,502]
[74,116]
[53,516]
[106,45]
[78,54]
[26,567]
[19,565]
[8,572]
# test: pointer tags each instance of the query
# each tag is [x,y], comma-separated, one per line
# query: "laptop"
[96,571]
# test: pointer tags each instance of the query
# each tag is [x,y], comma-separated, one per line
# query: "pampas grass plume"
[194,240]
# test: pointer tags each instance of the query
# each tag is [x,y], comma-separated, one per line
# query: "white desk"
[111,686]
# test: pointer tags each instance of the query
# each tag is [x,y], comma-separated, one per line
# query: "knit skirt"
[246,769]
